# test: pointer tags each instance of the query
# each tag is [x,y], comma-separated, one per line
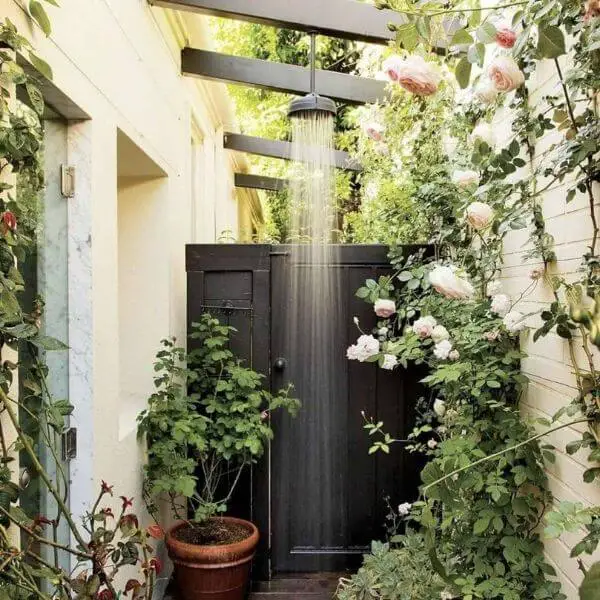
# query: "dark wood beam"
[280,77]
[336,18]
[280,149]
[258,182]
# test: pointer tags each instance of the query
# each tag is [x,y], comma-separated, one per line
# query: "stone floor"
[317,586]
[313,586]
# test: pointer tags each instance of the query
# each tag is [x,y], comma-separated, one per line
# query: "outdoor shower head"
[310,104]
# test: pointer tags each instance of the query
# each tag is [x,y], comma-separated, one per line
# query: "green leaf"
[476,54]
[590,588]
[407,36]
[462,36]
[41,65]
[486,33]
[38,12]
[463,72]
[36,98]
[48,343]
[551,41]
[481,525]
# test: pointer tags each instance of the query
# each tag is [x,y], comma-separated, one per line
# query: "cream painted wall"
[548,365]
[119,61]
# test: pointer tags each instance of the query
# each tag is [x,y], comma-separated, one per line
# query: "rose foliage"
[465,148]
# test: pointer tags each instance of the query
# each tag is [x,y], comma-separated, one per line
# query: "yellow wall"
[138,202]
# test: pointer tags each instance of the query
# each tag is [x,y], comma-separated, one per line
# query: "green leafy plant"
[208,420]
[484,491]
[397,570]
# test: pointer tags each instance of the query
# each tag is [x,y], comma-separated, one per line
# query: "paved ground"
[317,586]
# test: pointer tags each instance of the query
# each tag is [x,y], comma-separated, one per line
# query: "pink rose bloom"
[384,308]
[413,74]
[374,131]
[391,67]
[479,215]
[536,273]
[464,179]
[505,37]
[592,10]
[423,327]
[491,336]
[505,74]
[445,281]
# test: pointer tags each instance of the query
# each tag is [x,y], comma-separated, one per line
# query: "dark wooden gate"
[245,285]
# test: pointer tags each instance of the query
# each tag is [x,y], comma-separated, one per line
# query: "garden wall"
[151,175]
[548,365]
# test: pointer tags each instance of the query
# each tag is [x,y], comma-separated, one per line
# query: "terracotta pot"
[218,572]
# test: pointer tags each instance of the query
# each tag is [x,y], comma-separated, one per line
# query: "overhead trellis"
[346,19]
[335,18]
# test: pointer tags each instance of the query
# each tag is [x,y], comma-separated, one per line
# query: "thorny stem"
[43,540]
[588,185]
[40,469]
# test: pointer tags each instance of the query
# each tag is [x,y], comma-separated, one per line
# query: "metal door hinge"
[67,181]
[69,444]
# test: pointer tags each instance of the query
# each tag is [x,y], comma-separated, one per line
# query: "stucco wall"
[119,61]
[548,365]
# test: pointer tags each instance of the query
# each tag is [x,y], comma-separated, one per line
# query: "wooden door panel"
[318,497]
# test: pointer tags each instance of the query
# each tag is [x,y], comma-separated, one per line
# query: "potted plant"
[208,420]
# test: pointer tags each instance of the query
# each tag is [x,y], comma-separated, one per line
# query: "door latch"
[69,444]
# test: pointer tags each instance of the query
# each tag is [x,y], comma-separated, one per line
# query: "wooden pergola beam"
[336,18]
[280,77]
[280,149]
[259,182]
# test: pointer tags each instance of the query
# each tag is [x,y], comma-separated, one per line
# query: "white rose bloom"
[371,190]
[446,282]
[514,321]
[442,350]
[365,347]
[445,595]
[432,444]
[353,352]
[439,407]
[463,179]
[501,304]
[439,334]
[505,74]
[486,93]
[494,287]
[479,215]
[424,326]
[454,355]
[384,308]
[404,509]
[382,331]
[484,132]
[389,362]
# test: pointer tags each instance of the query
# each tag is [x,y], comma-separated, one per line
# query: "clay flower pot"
[215,572]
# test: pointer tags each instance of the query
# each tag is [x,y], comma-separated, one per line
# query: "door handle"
[280,364]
